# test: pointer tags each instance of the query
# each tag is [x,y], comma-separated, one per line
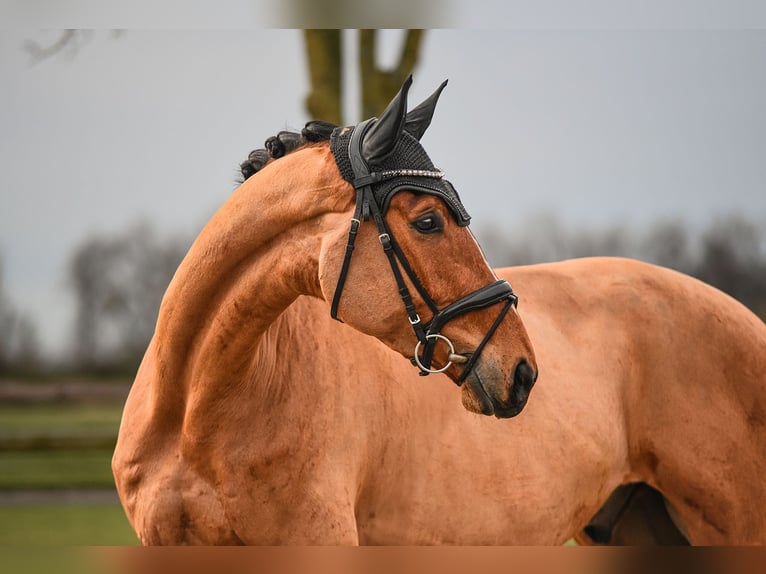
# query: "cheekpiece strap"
[364,182]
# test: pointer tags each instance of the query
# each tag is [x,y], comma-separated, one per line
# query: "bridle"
[427,333]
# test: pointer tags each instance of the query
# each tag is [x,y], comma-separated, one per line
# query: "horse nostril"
[524,378]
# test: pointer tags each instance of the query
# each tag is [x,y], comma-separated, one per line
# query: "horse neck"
[254,257]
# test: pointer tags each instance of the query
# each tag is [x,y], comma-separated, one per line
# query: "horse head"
[396,258]
[419,281]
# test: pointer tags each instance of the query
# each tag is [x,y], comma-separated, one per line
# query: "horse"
[368,192]
[646,423]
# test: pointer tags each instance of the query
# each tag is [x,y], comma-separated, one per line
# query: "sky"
[600,128]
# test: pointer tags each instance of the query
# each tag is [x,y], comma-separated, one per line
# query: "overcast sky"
[600,128]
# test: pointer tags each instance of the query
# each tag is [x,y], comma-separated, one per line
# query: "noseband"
[429,333]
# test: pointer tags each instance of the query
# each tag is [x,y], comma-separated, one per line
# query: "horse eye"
[430,223]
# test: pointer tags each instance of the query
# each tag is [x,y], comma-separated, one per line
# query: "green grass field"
[61,468]
[65,525]
[38,450]
[59,418]
[24,428]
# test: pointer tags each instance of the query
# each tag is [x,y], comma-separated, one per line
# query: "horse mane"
[283,143]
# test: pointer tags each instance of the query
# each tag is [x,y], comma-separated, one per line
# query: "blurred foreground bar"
[445,560]
[355,14]
[483,14]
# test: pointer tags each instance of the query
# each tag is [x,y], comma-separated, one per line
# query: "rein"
[429,333]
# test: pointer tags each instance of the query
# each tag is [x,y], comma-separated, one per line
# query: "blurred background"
[117,146]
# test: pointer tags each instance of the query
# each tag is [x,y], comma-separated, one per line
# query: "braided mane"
[283,143]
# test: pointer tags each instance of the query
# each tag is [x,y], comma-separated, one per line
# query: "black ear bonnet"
[405,164]
[407,154]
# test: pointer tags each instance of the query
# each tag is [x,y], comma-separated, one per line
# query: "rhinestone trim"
[409,173]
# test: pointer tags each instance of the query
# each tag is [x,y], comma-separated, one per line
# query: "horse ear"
[384,133]
[418,119]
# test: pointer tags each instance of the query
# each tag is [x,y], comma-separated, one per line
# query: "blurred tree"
[19,345]
[325,62]
[67,42]
[730,254]
[118,284]
[324,51]
[734,260]
[668,244]
[543,238]
[379,86]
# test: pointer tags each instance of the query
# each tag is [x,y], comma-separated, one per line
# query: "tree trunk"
[323,50]
[379,86]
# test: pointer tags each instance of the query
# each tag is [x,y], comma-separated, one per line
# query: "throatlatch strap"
[347,259]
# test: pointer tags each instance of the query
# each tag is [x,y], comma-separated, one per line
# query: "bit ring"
[451,352]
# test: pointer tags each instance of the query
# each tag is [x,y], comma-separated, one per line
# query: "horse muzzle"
[483,391]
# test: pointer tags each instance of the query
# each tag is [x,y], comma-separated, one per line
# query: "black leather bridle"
[427,333]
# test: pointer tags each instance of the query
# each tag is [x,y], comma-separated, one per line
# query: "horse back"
[689,363]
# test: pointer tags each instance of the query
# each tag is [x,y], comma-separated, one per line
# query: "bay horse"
[647,421]
[367,193]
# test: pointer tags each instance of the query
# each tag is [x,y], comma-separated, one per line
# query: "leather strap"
[346,259]
[366,207]
[484,297]
[475,355]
